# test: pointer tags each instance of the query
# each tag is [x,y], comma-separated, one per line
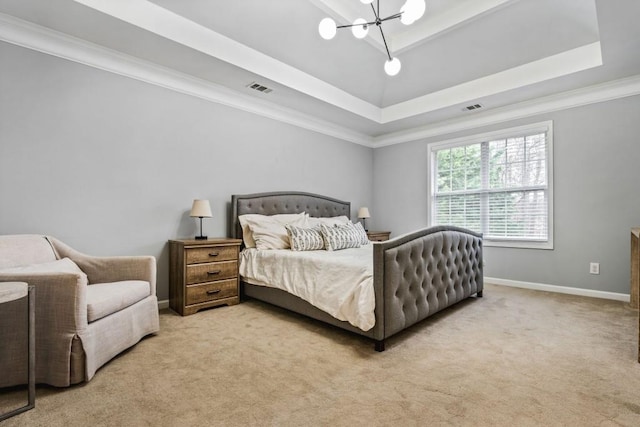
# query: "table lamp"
[201,209]
[363,214]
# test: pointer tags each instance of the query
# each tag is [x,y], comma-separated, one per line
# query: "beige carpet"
[512,358]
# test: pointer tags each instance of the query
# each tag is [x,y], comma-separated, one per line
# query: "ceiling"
[507,55]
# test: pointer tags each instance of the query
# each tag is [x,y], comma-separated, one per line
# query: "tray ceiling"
[495,53]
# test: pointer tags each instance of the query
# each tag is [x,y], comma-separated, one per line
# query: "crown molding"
[41,39]
[50,42]
[558,65]
[165,23]
[603,92]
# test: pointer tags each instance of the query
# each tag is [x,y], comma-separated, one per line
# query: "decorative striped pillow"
[304,239]
[340,237]
[364,239]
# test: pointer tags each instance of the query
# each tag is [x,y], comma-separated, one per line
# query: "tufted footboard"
[421,273]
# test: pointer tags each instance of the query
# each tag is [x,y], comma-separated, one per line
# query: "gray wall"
[596,176]
[111,165]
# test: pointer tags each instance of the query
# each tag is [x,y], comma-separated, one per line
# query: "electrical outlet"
[594,268]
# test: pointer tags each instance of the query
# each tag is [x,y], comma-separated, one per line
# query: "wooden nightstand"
[378,236]
[203,274]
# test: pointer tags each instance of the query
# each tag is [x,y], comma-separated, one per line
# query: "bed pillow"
[364,239]
[338,237]
[331,221]
[261,222]
[305,239]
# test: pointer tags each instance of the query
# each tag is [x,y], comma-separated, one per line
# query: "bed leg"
[379,345]
[479,294]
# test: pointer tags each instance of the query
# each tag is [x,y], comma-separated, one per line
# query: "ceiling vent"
[472,107]
[259,87]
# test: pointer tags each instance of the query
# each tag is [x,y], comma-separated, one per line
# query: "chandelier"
[410,12]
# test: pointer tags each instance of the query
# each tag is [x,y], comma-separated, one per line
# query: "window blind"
[499,186]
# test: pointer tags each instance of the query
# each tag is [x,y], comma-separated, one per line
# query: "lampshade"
[201,209]
[364,213]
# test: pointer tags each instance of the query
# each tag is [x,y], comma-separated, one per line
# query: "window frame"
[540,127]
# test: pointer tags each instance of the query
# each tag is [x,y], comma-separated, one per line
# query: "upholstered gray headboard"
[284,202]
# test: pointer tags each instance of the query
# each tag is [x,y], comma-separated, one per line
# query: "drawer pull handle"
[213,273]
[213,292]
[214,254]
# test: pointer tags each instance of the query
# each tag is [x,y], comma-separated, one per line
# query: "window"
[498,184]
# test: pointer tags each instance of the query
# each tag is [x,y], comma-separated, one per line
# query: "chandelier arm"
[395,16]
[355,25]
[385,42]
[393,66]
[376,14]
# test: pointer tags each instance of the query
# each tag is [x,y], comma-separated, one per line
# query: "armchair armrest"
[61,298]
[110,269]
[61,317]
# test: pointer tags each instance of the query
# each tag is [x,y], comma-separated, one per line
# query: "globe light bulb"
[392,67]
[406,17]
[412,10]
[359,29]
[420,8]
[327,28]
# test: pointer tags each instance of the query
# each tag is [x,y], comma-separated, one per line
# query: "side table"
[11,291]
[634,301]
[203,274]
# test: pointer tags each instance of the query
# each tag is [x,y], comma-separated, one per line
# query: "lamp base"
[201,237]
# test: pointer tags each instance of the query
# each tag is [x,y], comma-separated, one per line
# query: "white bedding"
[337,282]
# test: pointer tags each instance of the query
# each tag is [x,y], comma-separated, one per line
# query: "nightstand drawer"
[209,272]
[200,255]
[212,291]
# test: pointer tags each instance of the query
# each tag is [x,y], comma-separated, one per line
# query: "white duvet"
[337,282]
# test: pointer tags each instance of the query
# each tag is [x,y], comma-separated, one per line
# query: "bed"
[414,275]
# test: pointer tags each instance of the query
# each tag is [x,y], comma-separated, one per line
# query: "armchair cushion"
[104,299]
[17,250]
[64,265]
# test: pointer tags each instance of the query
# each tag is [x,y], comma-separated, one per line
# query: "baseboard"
[527,285]
[558,289]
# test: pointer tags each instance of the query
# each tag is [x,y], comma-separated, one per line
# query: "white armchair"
[88,309]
